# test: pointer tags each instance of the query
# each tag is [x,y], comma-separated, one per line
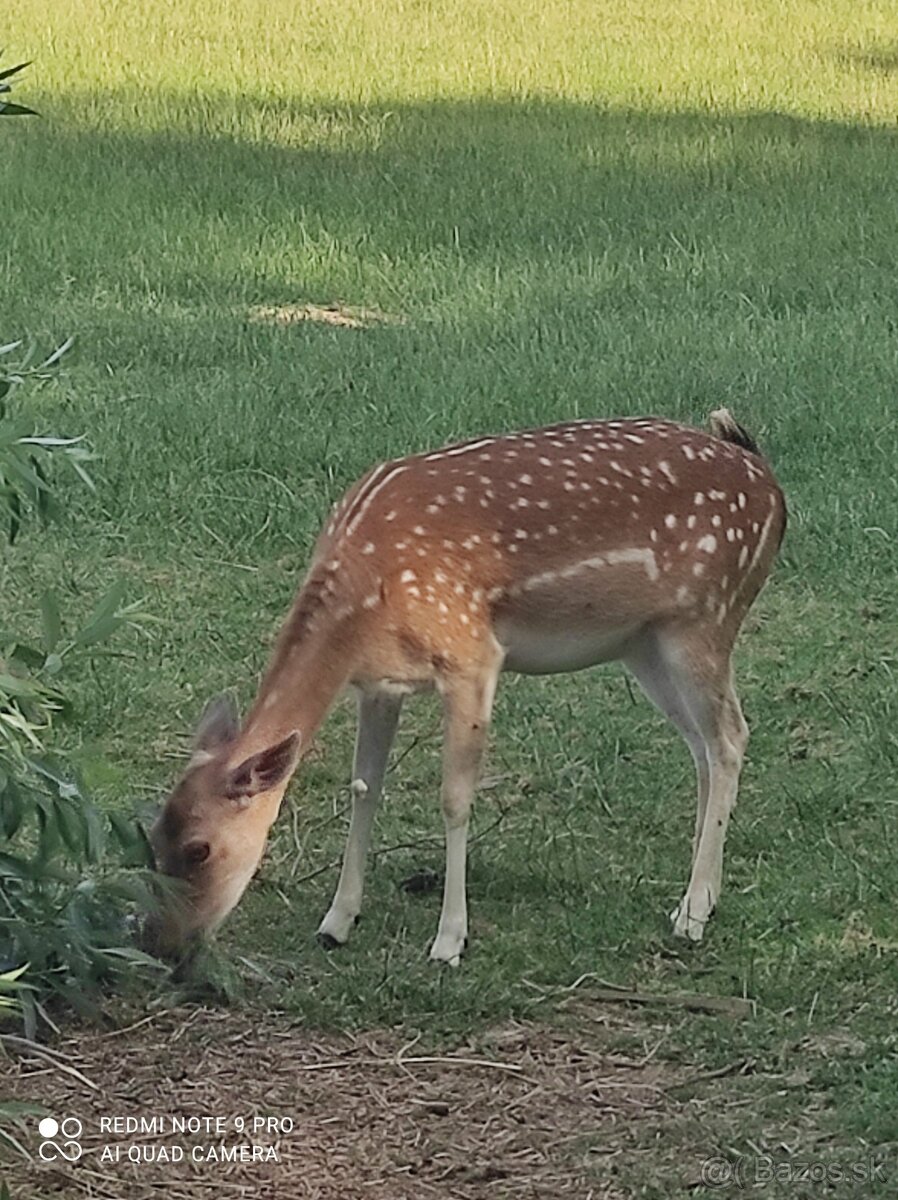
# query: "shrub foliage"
[68,873]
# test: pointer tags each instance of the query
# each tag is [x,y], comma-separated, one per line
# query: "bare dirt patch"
[344,316]
[526,1112]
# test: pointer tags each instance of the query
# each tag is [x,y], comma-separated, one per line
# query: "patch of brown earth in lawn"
[345,316]
[525,1112]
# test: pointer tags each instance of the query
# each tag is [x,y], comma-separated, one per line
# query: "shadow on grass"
[286,202]
[536,254]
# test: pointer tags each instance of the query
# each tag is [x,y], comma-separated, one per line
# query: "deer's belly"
[545,648]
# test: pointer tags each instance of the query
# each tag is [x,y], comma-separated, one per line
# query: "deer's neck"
[312,661]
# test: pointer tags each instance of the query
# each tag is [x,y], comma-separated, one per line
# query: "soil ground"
[526,1112]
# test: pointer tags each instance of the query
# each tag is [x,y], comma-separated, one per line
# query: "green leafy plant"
[10,986]
[12,1113]
[7,108]
[69,875]
[24,456]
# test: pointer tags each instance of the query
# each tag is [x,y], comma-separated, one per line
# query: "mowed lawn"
[529,212]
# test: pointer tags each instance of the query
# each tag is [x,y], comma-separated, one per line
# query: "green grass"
[582,209]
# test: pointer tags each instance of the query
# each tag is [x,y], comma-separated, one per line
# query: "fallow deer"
[543,551]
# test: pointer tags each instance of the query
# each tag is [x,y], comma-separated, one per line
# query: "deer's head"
[212,829]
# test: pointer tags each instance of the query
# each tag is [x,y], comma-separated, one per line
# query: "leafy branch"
[69,874]
[25,457]
[7,108]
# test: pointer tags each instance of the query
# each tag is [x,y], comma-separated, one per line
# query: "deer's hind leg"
[653,674]
[686,671]
[467,707]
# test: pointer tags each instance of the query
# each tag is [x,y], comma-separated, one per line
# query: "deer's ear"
[219,724]
[263,771]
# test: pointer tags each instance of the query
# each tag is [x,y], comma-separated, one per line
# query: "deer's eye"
[196,853]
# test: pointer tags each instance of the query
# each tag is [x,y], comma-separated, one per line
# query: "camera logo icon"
[70,1148]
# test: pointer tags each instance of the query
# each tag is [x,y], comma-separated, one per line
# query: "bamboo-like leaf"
[20,467]
[12,71]
[50,442]
[12,685]
[104,620]
[133,955]
[14,720]
[12,809]
[30,1010]
[10,977]
[49,838]
[15,110]
[131,837]
[71,824]
[7,1137]
[28,656]
[13,867]
[14,505]
[20,1108]
[57,353]
[94,835]
[77,456]
[57,774]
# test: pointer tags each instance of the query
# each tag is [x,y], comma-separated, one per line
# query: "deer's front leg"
[378,718]
[468,708]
